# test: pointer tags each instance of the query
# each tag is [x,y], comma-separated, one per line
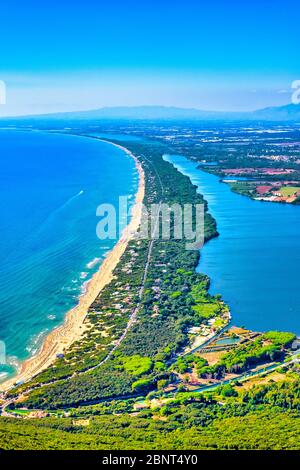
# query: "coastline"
[61,338]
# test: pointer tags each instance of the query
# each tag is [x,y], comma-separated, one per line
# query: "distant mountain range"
[290,112]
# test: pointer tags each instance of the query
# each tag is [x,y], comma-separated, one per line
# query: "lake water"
[50,188]
[255,261]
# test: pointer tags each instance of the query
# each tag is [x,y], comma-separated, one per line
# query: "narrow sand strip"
[62,337]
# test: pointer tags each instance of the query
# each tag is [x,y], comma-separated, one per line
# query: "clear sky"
[83,54]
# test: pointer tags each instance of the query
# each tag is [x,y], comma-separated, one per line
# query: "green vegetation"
[261,430]
[143,385]
[136,365]
[245,188]
[266,417]
[227,390]
[288,191]
[207,310]
[268,347]
[188,362]
[285,394]
[279,338]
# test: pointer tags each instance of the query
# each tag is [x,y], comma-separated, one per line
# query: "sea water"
[254,263]
[50,187]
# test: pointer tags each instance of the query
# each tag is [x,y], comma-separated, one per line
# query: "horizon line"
[210,111]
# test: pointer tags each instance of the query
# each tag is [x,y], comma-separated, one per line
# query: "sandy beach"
[73,327]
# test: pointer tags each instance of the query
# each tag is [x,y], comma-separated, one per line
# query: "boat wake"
[69,201]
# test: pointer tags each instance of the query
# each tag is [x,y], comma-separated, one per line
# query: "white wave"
[93,263]
[51,317]
[13,361]
[69,289]
[84,288]
[36,342]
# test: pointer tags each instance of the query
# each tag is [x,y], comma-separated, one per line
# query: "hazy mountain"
[289,112]
[134,112]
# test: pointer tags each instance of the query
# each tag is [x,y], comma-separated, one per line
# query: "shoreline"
[61,338]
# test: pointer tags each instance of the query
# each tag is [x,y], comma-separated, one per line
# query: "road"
[133,316]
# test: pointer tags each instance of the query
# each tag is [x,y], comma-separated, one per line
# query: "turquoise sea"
[50,187]
[254,263]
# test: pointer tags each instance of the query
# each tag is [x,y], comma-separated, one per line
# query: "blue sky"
[223,55]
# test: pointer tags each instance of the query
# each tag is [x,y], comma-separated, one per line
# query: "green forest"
[267,417]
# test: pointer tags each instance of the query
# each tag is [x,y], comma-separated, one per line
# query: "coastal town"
[262,163]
